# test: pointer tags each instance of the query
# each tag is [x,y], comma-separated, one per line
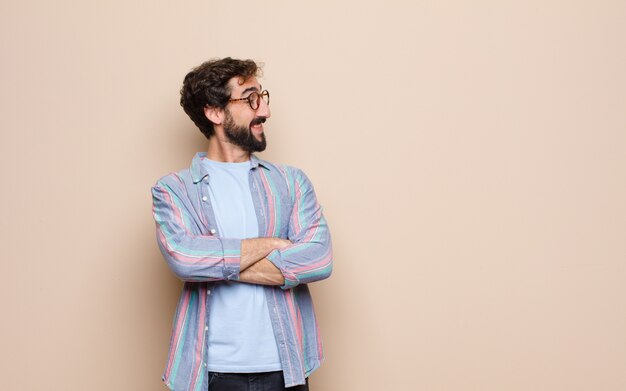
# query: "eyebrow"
[249,89]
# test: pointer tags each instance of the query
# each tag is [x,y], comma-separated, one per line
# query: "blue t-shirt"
[240,331]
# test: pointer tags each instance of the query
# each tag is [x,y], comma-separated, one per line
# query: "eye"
[253,99]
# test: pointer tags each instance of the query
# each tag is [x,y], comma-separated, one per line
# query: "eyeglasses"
[254,99]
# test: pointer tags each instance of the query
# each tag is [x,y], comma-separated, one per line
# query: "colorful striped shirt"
[187,234]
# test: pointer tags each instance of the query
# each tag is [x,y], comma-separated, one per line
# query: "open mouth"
[257,124]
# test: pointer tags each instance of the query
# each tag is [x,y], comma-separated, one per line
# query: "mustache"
[258,120]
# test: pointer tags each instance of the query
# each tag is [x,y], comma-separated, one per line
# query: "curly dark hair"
[207,85]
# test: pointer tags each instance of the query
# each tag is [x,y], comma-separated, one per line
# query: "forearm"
[191,255]
[256,249]
[303,263]
[262,272]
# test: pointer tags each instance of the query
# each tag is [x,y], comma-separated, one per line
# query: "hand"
[282,243]
[253,250]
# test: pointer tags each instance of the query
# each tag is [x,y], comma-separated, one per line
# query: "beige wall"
[471,158]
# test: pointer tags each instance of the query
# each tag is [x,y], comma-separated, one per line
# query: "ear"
[214,114]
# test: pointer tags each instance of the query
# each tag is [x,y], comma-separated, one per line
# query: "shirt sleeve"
[191,257]
[310,256]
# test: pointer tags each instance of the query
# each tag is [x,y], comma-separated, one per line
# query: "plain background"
[470,156]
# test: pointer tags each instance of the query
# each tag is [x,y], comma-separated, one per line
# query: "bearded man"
[246,236]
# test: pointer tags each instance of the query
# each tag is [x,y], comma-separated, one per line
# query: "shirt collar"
[198,170]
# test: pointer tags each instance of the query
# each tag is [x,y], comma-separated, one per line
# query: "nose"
[263,110]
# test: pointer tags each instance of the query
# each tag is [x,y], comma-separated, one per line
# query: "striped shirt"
[187,235]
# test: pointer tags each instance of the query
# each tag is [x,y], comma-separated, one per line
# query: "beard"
[242,136]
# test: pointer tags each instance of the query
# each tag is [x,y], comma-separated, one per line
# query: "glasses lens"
[266,97]
[253,99]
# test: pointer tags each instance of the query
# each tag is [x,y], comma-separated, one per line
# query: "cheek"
[244,120]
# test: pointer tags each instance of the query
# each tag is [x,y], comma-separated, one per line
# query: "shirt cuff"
[231,250]
[276,258]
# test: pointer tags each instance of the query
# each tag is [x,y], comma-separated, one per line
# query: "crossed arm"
[306,257]
[255,268]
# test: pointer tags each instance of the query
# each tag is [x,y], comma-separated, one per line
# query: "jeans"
[264,381]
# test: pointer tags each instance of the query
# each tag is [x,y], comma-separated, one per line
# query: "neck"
[221,150]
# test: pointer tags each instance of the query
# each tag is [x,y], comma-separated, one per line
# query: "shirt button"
[213,231]
[208,291]
[206,328]
[204,198]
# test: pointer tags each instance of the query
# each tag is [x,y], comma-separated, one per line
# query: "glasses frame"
[250,100]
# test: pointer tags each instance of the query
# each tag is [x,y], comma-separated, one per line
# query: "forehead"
[238,86]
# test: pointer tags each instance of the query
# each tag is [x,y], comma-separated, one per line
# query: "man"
[245,236]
